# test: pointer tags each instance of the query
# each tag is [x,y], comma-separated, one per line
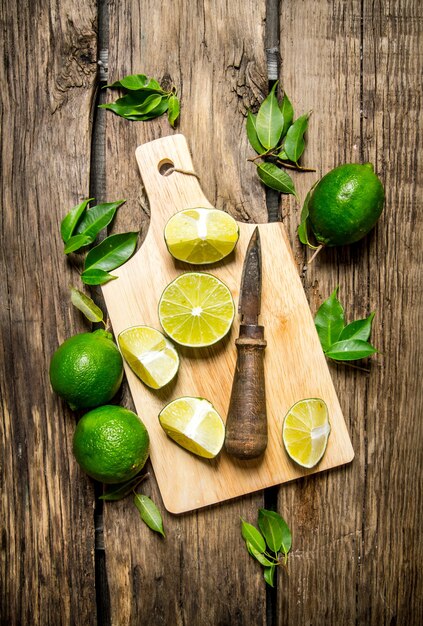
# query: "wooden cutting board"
[295,366]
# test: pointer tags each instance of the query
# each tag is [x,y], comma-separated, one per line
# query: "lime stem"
[297,167]
[271,557]
[260,156]
[318,249]
[356,367]
[137,484]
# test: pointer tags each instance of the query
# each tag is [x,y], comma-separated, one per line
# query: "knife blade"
[246,424]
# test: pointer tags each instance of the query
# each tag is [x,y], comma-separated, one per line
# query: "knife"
[246,425]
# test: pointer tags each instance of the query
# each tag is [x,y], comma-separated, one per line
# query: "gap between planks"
[97,190]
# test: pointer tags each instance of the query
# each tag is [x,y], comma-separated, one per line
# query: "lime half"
[195,425]
[306,431]
[196,309]
[149,354]
[201,235]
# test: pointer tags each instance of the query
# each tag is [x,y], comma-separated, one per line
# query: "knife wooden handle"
[246,425]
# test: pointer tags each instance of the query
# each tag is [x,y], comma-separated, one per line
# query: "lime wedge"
[201,235]
[306,431]
[195,425]
[149,354]
[196,309]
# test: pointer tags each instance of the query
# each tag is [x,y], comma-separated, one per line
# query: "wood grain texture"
[390,582]
[357,548]
[214,53]
[48,77]
[326,514]
[356,529]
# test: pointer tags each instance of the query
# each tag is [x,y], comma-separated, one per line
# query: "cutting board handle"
[169,192]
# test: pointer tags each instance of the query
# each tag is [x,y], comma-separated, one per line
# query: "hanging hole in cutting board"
[166,167]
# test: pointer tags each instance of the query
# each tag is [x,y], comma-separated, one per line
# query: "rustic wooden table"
[357,551]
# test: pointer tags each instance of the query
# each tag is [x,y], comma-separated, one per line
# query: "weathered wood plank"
[48,74]
[390,579]
[214,53]
[357,551]
[320,51]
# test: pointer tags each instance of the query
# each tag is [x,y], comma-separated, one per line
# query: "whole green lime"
[87,369]
[111,444]
[345,204]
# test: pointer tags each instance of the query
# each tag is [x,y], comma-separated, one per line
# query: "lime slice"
[196,309]
[195,424]
[149,354]
[201,235]
[305,431]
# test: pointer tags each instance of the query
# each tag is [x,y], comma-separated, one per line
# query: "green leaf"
[173,110]
[120,108]
[283,156]
[154,84]
[329,321]
[76,242]
[97,218]
[128,103]
[294,141]
[149,512]
[360,329]
[141,105]
[275,531]
[269,121]
[253,536]
[86,305]
[96,277]
[275,178]
[303,228]
[303,233]
[269,574]
[149,104]
[258,555]
[350,350]
[138,82]
[111,252]
[271,529]
[252,133]
[287,111]
[121,490]
[161,108]
[131,82]
[138,105]
[70,220]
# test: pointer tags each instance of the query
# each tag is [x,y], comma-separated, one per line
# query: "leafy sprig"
[79,229]
[271,544]
[148,511]
[278,141]
[144,99]
[339,341]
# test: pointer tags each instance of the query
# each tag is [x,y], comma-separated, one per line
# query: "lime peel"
[343,206]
